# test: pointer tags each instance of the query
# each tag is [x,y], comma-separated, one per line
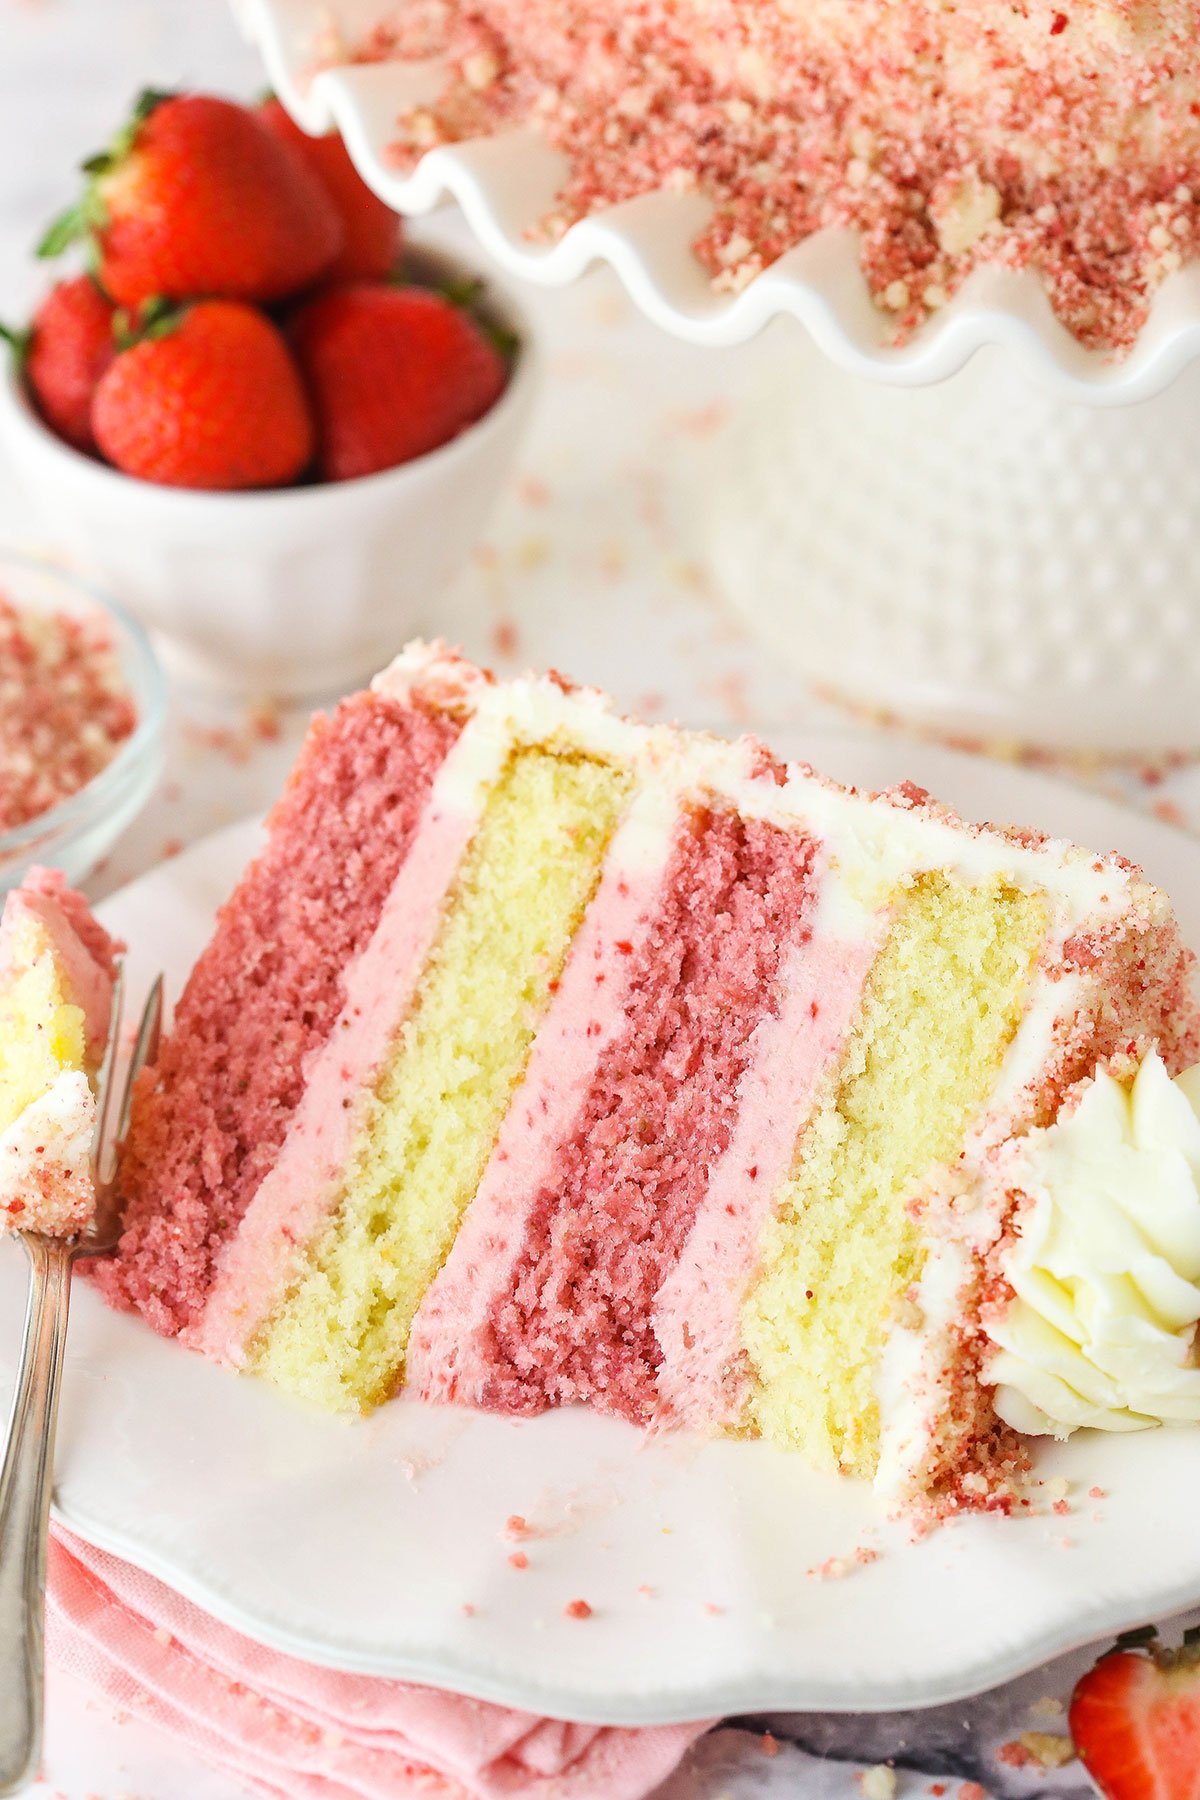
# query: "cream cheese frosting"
[1105,1266]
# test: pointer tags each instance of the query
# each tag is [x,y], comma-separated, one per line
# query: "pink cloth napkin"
[287,1728]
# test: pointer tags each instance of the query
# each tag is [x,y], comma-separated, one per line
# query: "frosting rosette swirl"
[1105,1263]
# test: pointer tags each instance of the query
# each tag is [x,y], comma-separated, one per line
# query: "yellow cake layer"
[430,1124]
[941,1006]
[42,1033]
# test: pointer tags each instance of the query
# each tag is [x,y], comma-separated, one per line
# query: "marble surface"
[596,549]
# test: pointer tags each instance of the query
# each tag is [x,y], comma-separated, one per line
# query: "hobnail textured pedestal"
[987,528]
[980,556]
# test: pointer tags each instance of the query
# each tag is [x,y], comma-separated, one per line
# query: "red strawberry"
[371,234]
[65,352]
[208,397]
[392,372]
[1135,1719]
[197,196]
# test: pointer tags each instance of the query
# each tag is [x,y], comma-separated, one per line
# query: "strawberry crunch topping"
[64,709]
[1025,136]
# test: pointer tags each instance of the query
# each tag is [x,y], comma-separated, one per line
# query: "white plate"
[361,1543]
[507,184]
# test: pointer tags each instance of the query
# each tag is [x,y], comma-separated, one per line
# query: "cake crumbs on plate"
[878,1783]
[518,1560]
[1047,1749]
[577,1609]
[65,709]
[769,1744]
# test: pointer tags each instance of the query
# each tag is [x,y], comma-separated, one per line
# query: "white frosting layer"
[1106,1267]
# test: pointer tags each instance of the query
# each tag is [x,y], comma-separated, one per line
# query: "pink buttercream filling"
[297,1196]
[264,998]
[597,1226]
[697,1311]
[450,1354]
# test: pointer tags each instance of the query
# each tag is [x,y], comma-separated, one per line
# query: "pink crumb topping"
[624,1186]
[577,1609]
[942,138]
[210,1118]
[65,710]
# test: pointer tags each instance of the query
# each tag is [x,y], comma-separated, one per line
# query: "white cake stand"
[989,530]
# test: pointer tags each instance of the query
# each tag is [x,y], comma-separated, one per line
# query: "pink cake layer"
[264,998]
[569,1301]
[298,1195]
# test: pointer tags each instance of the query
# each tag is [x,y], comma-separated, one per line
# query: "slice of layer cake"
[544,1057]
[57,967]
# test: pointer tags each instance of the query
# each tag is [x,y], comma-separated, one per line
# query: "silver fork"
[27,1477]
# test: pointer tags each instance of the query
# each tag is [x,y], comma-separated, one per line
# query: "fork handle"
[25,1484]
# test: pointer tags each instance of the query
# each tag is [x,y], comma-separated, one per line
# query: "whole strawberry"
[1135,1719]
[371,232]
[198,196]
[392,373]
[208,397]
[66,350]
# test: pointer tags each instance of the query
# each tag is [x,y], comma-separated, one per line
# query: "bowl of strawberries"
[262,418]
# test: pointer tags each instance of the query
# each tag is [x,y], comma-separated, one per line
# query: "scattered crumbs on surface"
[878,1783]
[1065,1543]
[614,561]
[701,423]
[534,491]
[261,724]
[1048,1749]
[711,1610]
[1057,1489]
[506,640]
[970,1790]
[864,1554]
[517,1528]
[532,552]
[682,571]
[667,1530]
[577,1609]
[769,1744]
[1048,1707]
[171,847]
[1061,1507]
[518,1560]
[1015,1755]
[650,704]
[937,1788]
[833,1568]
[1097,1493]
[1169,811]
[468,1609]
[646,1592]
[730,692]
